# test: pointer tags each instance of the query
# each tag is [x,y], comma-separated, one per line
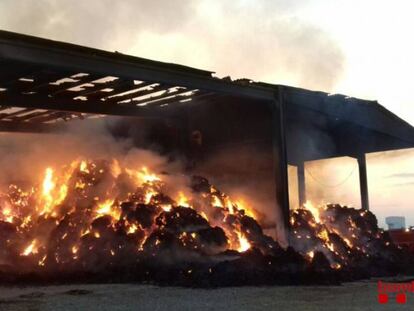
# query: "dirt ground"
[351,296]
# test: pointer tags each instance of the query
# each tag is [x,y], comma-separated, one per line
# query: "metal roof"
[45,82]
[53,81]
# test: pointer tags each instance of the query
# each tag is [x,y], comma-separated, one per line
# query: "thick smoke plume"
[262,40]
[25,156]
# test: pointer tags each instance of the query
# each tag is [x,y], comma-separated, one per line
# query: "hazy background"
[359,48]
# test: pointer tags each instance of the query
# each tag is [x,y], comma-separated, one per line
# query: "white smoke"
[262,40]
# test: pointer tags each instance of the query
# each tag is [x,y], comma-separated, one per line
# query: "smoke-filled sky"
[359,48]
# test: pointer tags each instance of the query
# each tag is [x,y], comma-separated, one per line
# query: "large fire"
[93,215]
[57,221]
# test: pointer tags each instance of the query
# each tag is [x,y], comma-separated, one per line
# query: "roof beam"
[156,99]
[69,105]
[66,56]
[27,127]
[364,113]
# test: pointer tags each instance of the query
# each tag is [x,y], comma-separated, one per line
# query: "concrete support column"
[363,181]
[280,167]
[301,184]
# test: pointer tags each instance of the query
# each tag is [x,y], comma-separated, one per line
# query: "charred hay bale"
[289,261]
[160,240]
[320,263]
[303,245]
[320,272]
[338,213]
[301,218]
[207,241]
[254,233]
[377,247]
[363,219]
[211,240]
[340,245]
[267,245]
[250,226]
[181,219]
[7,231]
[97,252]
[101,223]
[167,248]
[131,230]
[368,222]
[127,207]
[162,199]
[91,175]
[376,266]
[61,242]
[144,214]
[305,237]
[9,243]
[231,220]
[254,268]
[218,214]
[200,184]
[44,226]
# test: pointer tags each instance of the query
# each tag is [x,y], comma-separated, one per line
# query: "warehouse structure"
[44,84]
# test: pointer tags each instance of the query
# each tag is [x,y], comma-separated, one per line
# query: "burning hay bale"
[98,221]
[348,238]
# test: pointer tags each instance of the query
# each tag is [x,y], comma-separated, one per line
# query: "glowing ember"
[132,229]
[182,200]
[107,208]
[84,167]
[315,211]
[230,207]
[7,215]
[216,201]
[241,204]
[243,242]
[166,207]
[145,176]
[31,249]
[74,249]
[48,186]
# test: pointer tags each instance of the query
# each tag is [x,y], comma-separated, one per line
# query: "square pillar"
[301,183]
[280,166]
[363,181]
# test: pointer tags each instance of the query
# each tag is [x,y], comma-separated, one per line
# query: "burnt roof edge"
[25,48]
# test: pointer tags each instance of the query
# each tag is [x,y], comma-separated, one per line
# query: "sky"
[358,48]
